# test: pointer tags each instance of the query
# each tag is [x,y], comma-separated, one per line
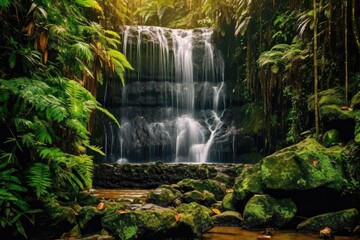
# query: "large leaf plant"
[53,56]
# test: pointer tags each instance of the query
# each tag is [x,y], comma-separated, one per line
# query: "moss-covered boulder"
[196,217]
[161,196]
[193,196]
[90,217]
[342,221]
[355,101]
[247,183]
[264,210]
[331,138]
[333,96]
[140,224]
[213,186]
[227,218]
[223,178]
[228,202]
[306,165]
[357,127]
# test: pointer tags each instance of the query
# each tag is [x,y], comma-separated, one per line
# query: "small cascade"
[173,103]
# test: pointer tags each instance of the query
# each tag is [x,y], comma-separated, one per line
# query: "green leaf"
[4,3]
[40,178]
[275,69]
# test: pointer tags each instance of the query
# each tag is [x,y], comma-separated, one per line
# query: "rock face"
[264,210]
[152,175]
[306,165]
[342,221]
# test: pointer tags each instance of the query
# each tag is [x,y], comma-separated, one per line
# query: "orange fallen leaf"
[122,211]
[229,190]
[315,163]
[101,206]
[177,217]
[216,211]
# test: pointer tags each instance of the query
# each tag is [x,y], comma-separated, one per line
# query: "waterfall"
[174,100]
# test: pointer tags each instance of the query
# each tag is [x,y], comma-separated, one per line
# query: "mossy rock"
[248,183]
[306,165]
[60,214]
[193,196]
[223,178]
[335,112]
[140,224]
[196,217]
[213,186]
[86,199]
[161,196]
[331,138]
[355,101]
[228,203]
[264,210]
[227,218]
[90,216]
[342,221]
[357,127]
[333,96]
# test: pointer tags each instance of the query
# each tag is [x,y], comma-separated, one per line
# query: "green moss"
[213,186]
[357,128]
[340,221]
[248,182]
[264,210]
[333,96]
[334,112]
[228,203]
[130,232]
[161,196]
[331,138]
[305,165]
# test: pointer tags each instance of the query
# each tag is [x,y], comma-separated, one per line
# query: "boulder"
[264,210]
[306,165]
[193,196]
[355,101]
[196,217]
[140,224]
[331,138]
[90,217]
[227,202]
[161,196]
[333,96]
[247,183]
[213,186]
[223,178]
[341,221]
[357,128]
[227,218]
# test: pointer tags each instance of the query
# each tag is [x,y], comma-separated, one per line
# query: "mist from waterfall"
[173,100]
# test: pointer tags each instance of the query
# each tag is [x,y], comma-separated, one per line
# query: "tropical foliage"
[54,56]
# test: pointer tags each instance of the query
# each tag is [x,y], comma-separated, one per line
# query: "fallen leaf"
[177,217]
[101,206]
[216,211]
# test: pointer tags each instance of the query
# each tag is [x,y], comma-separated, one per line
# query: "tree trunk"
[346,53]
[316,83]
[354,24]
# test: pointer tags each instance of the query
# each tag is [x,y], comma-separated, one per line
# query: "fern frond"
[89,4]
[83,51]
[108,114]
[95,148]
[40,178]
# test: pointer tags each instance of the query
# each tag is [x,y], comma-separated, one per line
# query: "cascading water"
[172,105]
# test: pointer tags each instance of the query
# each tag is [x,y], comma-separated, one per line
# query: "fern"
[82,50]
[89,4]
[40,178]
